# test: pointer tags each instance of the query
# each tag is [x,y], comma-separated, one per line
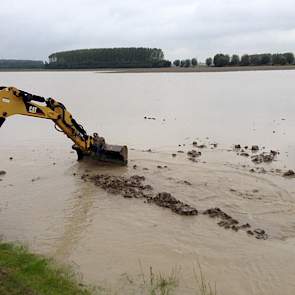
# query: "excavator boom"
[17,102]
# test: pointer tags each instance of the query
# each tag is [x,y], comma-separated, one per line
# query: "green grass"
[23,273]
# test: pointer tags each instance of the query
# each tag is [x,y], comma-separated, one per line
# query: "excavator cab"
[17,102]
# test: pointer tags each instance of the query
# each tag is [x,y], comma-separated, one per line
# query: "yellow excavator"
[14,101]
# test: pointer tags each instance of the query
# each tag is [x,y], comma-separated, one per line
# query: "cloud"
[34,29]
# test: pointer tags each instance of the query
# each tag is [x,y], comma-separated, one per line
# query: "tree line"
[21,64]
[222,60]
[108,58]
[186,63]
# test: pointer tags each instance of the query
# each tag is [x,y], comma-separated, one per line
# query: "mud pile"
[264,157]
[2,173]
[228,222]
[289,173]
[193,154]
[134,187]
[131,187]
[166,200]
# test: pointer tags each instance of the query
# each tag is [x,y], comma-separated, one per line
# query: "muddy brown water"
[45,204]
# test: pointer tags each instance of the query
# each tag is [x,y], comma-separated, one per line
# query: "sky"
[33,29]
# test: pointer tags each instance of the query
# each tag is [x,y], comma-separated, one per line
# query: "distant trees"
[279,59]
[245,60]
[186,63]
[21,64]
[194,62]
[290,57]
[177,62]
[235,60]
[108,58]
[209,61]
[221,60]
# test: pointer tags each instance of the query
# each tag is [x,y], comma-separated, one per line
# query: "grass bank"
[23,273]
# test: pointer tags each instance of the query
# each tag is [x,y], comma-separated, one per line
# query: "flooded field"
[109,238]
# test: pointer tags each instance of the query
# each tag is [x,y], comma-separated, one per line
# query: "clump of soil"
[166,200]
[149,118]
[254,148]
[134,187]
[228,222]
[264,157]
[131,187]
[193,154]
[289,173]
[160,167]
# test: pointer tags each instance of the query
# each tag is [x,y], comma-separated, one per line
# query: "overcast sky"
[33,29]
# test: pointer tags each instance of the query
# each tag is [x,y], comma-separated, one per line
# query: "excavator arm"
[17,102]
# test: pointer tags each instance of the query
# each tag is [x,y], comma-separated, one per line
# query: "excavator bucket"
[106,153]
[112,154]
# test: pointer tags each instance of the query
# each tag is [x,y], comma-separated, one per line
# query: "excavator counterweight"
[17,102]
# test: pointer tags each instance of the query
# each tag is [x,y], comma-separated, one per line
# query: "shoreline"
[204,69]
[197,69]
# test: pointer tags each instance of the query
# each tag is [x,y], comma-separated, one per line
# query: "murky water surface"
[45,204]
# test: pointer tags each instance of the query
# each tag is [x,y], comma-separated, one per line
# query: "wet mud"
[228,222]
[289,173]
[166,200]
[134,187]
[193,155]
[264,157]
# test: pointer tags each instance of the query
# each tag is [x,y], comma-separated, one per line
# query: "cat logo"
[32,109]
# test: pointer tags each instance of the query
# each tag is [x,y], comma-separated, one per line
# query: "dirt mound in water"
[230,223]
[264,157]
[289,173]
[131,187]
[166,200]
[134,187]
